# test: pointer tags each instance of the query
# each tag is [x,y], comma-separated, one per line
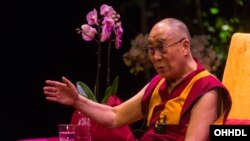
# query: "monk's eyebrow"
[161,40]
[158,41]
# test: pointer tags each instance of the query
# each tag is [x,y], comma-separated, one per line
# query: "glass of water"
[66,132]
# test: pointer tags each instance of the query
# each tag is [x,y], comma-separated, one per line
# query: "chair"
[236,78]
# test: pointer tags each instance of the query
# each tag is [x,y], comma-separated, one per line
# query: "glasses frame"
[162,48]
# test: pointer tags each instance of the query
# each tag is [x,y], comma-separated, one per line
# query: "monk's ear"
[186,46]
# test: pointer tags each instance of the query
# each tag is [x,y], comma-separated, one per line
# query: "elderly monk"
[179,103]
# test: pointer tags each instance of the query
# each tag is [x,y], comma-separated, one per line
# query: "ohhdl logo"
[226,132]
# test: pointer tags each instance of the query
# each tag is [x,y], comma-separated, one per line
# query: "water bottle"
[83,128]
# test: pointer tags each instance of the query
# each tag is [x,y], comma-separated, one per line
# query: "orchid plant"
[102,27]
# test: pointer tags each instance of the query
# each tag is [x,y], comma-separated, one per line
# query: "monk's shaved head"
[169,27]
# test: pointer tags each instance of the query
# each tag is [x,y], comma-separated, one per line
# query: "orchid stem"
[96,89]
[108,69]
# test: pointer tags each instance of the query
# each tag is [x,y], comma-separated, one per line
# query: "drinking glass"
[66,132]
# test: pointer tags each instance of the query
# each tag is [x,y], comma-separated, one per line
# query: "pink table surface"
[41,139]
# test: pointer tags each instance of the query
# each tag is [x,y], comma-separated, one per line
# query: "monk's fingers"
[68,82]
[50,89]
[54,83]
[51,99]
[50,94]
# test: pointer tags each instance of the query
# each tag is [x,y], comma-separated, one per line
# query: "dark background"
[39,42]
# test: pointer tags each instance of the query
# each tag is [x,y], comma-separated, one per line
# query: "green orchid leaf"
[107,94]
[114,86]
[85,91]
[111,90]
[80,89]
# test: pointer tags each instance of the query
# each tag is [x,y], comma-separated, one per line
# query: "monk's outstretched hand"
[63,92]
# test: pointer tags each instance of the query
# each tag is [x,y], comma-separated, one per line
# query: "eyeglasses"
[161,48]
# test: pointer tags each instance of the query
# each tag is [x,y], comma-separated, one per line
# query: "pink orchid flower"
[110,23]
[92,17]
[107,28]
[88,32]
[106,33]
[118,43]
[118,30]
[106,10]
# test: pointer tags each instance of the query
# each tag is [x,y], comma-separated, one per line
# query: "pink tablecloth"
[40,139]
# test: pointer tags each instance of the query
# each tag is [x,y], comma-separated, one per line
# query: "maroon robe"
[177,131]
